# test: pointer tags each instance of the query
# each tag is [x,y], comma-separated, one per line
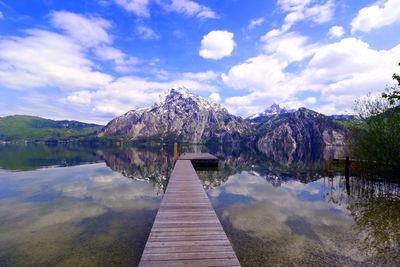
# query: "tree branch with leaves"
[378,141]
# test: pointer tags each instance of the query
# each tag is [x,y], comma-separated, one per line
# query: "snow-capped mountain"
[180,114]
[269,117]
[300,134]
[273,110]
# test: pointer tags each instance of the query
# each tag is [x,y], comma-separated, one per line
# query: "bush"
[379,139]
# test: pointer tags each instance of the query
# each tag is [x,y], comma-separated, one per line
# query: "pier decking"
[186,231]
[200,159]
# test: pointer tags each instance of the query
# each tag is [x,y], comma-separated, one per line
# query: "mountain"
[273,110]
[344,117]
[302,133]
[180,115]
[269,117]
[31,128]
[154,166]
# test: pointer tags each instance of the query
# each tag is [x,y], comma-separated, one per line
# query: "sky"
[93,60]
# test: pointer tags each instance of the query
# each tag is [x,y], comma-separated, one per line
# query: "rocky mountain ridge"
[277,132]
[302,133]
[269,118]
[271,111]
[180,114]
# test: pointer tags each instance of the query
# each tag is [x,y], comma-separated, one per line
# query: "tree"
[393,95]
[378,141]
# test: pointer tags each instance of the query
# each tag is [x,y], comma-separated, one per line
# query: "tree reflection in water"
[373,204]
[375,208]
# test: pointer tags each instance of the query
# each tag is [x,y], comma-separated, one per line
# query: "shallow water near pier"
[74,205]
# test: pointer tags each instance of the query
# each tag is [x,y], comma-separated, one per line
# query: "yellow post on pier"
[175,152]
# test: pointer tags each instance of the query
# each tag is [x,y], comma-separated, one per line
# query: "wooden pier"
[186,231]
[201,159]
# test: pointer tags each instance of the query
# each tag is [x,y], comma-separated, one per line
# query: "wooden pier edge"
[186,230]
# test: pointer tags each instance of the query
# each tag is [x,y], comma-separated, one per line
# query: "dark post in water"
[346,175]
[346,170]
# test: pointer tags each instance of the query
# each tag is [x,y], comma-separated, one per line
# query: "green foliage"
[393,94]
[25,157]
[379,140]
[357,124]
[31,128]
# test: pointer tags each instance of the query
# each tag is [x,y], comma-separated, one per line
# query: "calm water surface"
[89,206]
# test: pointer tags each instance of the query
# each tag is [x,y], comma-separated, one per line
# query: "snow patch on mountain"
[273,110]
[183,114]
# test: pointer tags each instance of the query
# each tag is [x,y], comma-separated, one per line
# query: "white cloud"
[87,31]
[130,92]
[186,7]
[339,60]
[160,74]
[299,187]
[207,13]
[190,8]
[122,62]
[124,94]
[321,13]
[44,58]
[339,72]
[336,31]
[273,206]
[318,11]
[257,73]
[81,98]
[146,33]
[139,7]
[154,62]
[265,72]
[195,86]
[254,23]
[348,69]
[289,46]
[201,76]
[310,100]
[215,97]
[217,44]
[293,17]
[1,15]
[293,5]
[376,16]
[91,32]
[109,53]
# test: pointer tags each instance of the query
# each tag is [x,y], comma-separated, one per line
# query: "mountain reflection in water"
[276,211]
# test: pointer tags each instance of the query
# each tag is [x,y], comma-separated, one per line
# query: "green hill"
[31,128]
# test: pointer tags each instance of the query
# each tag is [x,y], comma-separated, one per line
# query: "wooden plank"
[186,217]
[187,243]
[187,249]
[190,255]
[186,231]
[200,263]
[200,159]
[186,238]
[191,156]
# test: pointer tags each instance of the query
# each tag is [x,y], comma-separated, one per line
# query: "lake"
[80,205]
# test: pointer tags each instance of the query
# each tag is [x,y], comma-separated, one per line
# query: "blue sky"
[92,60]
